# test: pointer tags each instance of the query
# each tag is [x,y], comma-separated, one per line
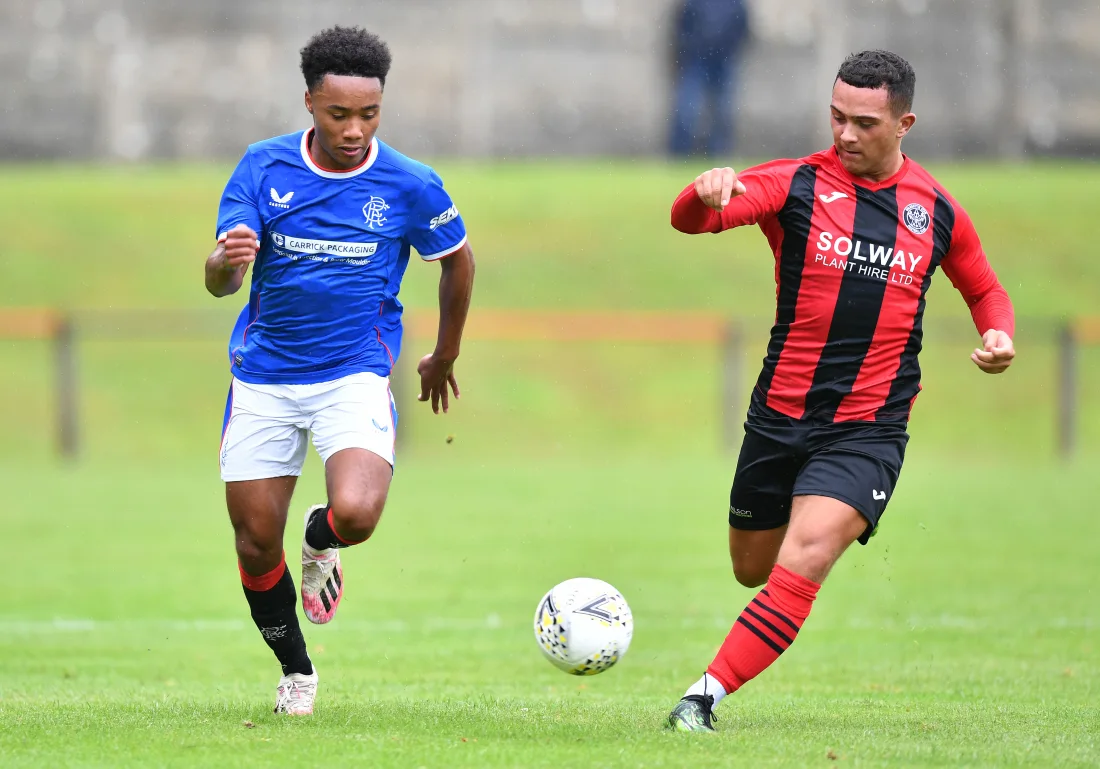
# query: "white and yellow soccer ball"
[583,626]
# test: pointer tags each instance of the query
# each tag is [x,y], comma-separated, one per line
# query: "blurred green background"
[555,236]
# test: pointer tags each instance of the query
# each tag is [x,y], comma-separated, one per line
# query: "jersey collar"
[867,183]
[368,161]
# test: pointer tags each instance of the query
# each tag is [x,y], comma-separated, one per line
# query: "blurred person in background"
[710,35]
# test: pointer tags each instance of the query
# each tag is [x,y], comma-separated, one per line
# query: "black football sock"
[272,599]
[320,534]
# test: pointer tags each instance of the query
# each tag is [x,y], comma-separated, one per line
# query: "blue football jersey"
[334,246]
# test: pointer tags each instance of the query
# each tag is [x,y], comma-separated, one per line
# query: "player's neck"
[888,169]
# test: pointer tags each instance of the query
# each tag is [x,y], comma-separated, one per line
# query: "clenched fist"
[241,246]
[997,354]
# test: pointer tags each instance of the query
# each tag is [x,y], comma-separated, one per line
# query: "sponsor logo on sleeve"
[438,221]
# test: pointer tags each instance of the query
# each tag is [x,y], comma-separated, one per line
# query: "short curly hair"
[345,51]
[875,69]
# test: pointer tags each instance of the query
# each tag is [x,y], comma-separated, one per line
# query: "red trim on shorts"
[393,422]
[264,582]
[228,419]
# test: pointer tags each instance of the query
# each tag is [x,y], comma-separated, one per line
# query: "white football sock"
[708,684]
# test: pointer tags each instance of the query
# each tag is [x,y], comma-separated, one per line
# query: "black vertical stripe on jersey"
[858,305]
[906,382]
[794,218]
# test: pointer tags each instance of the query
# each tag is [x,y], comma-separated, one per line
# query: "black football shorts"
[855,462]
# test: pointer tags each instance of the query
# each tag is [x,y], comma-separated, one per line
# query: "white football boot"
[296,694]
[322,578]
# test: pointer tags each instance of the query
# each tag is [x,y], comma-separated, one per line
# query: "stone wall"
[133,79]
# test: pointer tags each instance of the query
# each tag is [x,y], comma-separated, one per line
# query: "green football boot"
[694,713]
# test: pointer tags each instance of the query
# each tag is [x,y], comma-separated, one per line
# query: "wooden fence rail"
[63,330]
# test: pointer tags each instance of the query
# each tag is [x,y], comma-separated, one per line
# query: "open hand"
[436,373]
[997,354]
[718,186]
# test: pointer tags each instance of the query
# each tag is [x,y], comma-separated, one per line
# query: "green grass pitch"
[966,634]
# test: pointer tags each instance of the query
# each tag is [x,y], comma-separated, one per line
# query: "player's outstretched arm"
[699,207]
[226,266]
[456,286]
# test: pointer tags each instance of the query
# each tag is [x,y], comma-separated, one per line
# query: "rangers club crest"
[373,211]
[916,218]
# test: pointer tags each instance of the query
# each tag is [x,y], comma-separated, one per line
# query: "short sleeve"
[436,230]
[239,200]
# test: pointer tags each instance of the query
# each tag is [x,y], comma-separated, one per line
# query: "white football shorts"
[265,430]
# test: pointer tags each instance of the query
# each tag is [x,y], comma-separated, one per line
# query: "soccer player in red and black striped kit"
[858,231]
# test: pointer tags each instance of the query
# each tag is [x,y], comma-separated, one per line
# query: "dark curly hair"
[345,51]
[875,69]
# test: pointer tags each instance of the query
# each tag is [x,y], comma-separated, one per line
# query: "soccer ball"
[583,626]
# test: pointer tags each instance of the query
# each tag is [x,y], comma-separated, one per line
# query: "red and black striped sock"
[321,532]
[765,629]
[272,599]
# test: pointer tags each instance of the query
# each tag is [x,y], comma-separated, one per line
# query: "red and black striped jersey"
[853,263]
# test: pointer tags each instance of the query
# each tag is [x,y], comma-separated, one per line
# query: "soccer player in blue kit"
[327,217]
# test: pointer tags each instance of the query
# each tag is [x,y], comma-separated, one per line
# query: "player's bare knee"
[751,572]
[356,515]
[808,547]
[257,556]
[810,553]
[750,575]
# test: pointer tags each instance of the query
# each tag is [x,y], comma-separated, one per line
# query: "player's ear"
[905,124]
[309,102]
